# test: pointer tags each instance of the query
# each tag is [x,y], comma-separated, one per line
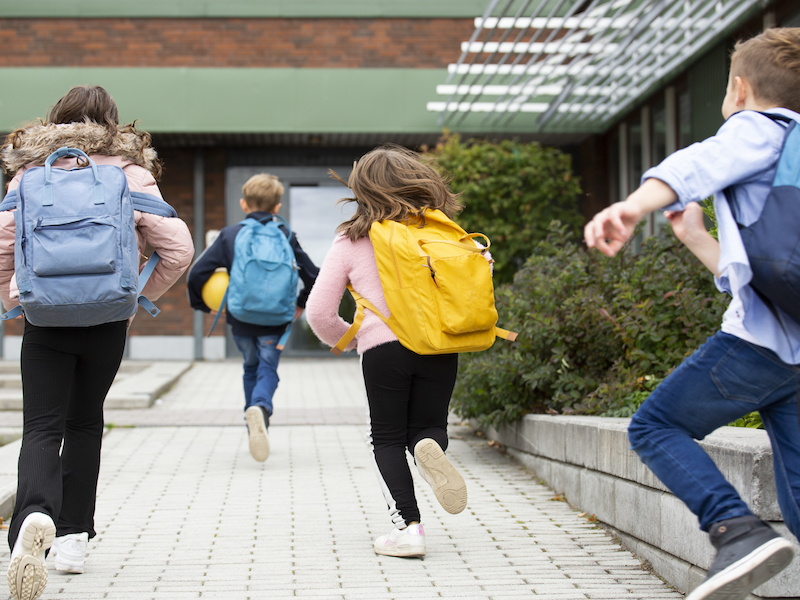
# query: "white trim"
[585,67]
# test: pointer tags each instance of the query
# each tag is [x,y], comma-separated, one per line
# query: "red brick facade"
[307,43]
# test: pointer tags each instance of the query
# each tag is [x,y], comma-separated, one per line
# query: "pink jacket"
[352,262]
[170,237]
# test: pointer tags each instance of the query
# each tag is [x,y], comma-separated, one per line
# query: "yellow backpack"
[437,284]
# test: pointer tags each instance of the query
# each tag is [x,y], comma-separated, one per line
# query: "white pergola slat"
[579,64]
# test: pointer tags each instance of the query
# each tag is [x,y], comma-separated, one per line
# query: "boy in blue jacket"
[257,343]
[752,363]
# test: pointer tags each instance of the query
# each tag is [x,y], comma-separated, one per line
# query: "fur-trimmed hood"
[35,143]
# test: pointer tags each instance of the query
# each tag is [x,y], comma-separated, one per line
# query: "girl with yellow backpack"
[384,255]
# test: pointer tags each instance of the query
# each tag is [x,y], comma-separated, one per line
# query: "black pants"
[408,397]
[66,374]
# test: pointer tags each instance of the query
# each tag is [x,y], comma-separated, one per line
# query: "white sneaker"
[70,552]
[445,480]
[257,431]
[27,572]
[406,542]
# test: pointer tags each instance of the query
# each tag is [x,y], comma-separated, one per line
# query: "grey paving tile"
[183,511]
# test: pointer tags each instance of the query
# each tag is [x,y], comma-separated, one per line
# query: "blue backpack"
[773,241]
[75,253]
[264,276]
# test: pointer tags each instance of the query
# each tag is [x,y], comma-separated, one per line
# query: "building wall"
[229,43]
[193,74]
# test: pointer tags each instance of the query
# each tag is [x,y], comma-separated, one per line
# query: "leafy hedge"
[510,192]
[596,335]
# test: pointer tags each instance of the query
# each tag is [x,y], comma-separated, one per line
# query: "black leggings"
[66,374]
[409,397]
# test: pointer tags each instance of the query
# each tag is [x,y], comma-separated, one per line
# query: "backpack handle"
[47,190]
[473,248]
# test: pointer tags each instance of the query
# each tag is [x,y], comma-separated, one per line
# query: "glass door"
[309,205]
[314,216]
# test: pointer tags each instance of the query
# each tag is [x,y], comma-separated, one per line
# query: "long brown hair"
[394,183]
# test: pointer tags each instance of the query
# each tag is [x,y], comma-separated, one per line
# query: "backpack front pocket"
[464,293]
[73,246]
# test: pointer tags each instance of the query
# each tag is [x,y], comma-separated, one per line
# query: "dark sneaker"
[749,552]
[257,433]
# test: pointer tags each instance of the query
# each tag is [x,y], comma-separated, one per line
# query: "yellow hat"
[214,289]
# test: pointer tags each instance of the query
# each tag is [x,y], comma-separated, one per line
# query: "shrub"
[510,192]
[596,335]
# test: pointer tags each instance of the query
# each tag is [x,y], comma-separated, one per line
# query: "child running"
[67,371]
[408,395]
[258,343]
[752,363]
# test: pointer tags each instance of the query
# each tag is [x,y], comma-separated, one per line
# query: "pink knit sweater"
[352,262]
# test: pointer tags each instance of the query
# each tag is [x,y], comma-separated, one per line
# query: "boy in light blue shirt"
[753,362]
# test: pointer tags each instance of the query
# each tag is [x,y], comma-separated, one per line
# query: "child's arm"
[308,274]
[612,227]
[7,258]
[322,309]
[209,261]
[689,228]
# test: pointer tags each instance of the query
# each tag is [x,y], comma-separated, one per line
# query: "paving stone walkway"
[183,511]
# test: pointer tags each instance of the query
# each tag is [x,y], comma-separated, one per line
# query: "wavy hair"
[394,183]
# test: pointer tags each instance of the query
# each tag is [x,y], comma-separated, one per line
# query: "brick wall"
[177,187]
[318,43]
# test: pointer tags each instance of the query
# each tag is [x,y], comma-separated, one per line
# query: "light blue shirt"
[743,155]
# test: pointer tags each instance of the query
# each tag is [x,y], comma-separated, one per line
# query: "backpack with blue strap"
[773,241]
[264,276]
[76,257]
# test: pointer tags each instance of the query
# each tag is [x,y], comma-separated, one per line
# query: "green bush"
[596,335]
[510,192]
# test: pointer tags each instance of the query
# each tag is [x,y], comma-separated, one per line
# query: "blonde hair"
[770,62]
[394,183]
[262,192]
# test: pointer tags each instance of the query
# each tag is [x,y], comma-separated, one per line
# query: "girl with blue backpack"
[68,370]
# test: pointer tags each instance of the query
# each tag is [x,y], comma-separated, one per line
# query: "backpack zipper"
[433,273]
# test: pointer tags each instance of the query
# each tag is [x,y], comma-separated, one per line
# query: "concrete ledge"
[588,460]
[137,385]
[141,389]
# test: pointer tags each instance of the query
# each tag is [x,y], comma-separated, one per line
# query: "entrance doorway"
[309,204]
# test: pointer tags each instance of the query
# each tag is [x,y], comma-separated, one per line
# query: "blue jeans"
[723,380]
[260,369]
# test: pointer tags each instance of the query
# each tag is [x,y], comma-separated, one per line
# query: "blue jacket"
[220,254]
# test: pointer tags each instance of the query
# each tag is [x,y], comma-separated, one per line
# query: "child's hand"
[298,312]
[612,227]
[688,223]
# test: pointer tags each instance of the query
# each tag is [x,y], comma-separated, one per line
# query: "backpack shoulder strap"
[361,304]
[777,118]
[141,202]
[148,203]
[9,202]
